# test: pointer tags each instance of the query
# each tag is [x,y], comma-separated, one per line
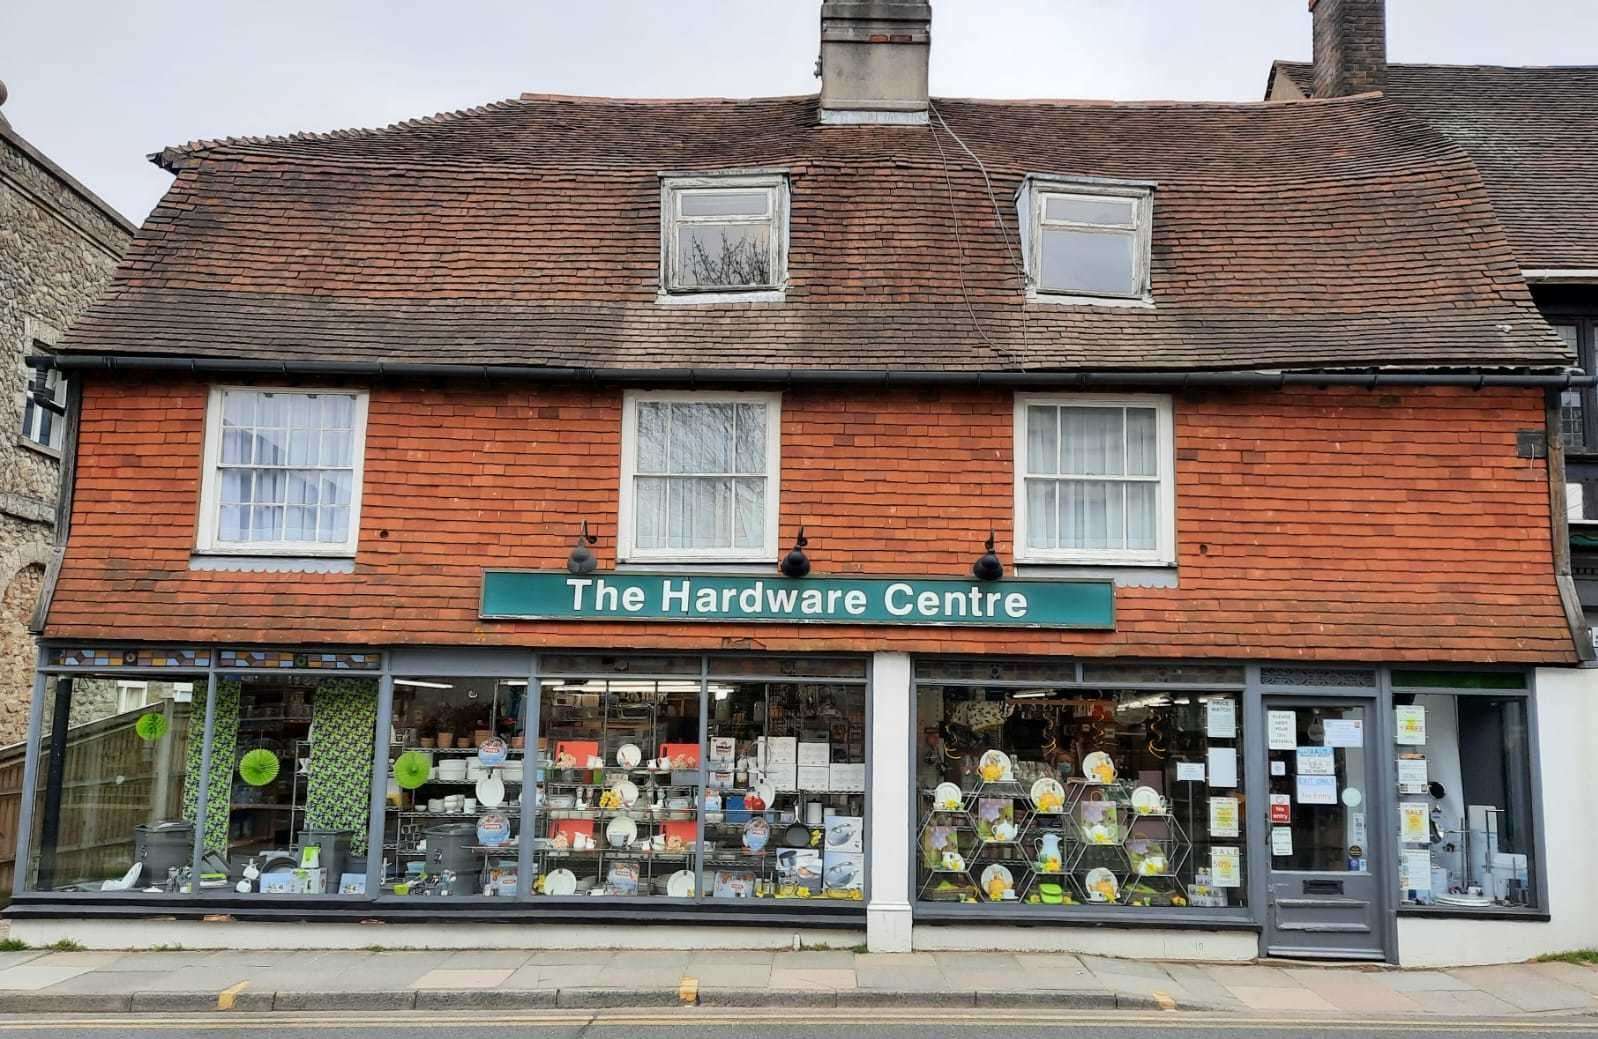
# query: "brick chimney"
[1350,46]
[873,64]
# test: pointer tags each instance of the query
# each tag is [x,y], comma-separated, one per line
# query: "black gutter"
[819,376]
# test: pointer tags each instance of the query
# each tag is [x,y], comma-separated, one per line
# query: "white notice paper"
[1412,777]
[1190,771]
[1223,817]
[1414,820]
[1345,732]
[1409,724]
[1223,766]
[1222,720]
[1281,840]
[1356,829]
[1317,761]
[1278,768]
[1281,730]
[1317,790]
[1416,871]
[1226,867]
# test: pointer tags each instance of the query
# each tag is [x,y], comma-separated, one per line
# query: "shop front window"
[454,786]
[109,814]
[288,798]
[1464,771]
[694,778]
[1067,794]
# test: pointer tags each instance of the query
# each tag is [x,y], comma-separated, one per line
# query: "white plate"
[995,757]
[628,755]
[1098,768]
[681,884]
[1147,801]
[560,882]
[1001,873]
[627,790]
[1048,785]
[947,798]
[621,832]
[1097,877]
[491,791]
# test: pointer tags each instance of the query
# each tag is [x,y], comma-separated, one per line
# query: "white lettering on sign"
[855,601]
[578,585]
[899,599]
[674,598]
[896,599]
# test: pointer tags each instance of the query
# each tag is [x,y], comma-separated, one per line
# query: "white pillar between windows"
[892,722]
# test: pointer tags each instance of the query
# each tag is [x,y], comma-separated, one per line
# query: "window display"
[290,785]
[1463,770]
[1060,794]
[699,777]
[454,788]
[109,809]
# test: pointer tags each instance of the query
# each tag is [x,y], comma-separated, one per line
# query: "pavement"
[179,981]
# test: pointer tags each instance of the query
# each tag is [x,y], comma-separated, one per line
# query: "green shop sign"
[737,599]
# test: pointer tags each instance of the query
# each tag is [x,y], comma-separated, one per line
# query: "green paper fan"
[411,770]
[258,767]
[150,727]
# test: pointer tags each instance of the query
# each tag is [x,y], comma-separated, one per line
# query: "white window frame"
[674,186]
[207,542]
[627,522]
[1031,198]
[1164,551]
[33,413]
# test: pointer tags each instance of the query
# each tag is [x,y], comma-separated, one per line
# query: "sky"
[99,84]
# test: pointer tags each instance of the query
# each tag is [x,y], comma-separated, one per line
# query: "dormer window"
[723,234]
[1086,240]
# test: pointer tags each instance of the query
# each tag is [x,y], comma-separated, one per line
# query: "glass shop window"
[454,788]
[289,794]
[109,808]
[1045,794]
[1466,829]
[746,784]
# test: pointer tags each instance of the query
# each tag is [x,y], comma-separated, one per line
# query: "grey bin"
[449,847]
[162,846]
[335,845]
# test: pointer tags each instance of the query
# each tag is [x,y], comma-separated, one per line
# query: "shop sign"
[739,599]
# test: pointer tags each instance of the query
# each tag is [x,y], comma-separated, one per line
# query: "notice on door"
[1281,808]
[1281,840]
[1317,790]
[1281,730]
[1344,732]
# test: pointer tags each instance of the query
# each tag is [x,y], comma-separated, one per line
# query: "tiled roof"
[1534,135]
[1331,234]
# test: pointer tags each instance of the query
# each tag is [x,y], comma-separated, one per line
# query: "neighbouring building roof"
[1340,234]
[1533,133]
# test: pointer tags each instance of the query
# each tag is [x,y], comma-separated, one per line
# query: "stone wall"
[57,252]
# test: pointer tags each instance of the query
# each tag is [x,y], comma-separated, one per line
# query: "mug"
[435,804]
[470,804]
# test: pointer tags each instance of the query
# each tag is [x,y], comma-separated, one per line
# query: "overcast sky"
[98,84]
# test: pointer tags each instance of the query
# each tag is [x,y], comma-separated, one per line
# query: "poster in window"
[1221,719]
[1409,725]
[1281,808]
[1281,730]
[1317,790]
[1344,732]
[1281,840]
[1415,871]
[1223,817]
[1317,761]
[1414,819]
[1412,778]
[1190,772]
[1226,867]
[1223,766]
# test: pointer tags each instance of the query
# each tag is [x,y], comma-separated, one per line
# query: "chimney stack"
[1350,46]
[873,64]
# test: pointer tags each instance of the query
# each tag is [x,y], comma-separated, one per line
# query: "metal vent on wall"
[1318,677]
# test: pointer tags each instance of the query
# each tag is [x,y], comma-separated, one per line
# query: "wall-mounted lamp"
[796,563]
[988,567]
[582,560]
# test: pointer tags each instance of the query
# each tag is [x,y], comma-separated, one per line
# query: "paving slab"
[811,959]
[1422,981]
[1054,962]
[16,959]
[486,959]
[907,979]
[1522,987]
[763,957]
[812,979]
[1462,1003]
[729,975]
[446,978]
[1252,976]
[1278,998]
[1127,968]
[53,969]
[569,957]
[1575,975]
[122,981]
[1355,993]
[146,962]
[1198,988]
[610,978]
[921,960]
